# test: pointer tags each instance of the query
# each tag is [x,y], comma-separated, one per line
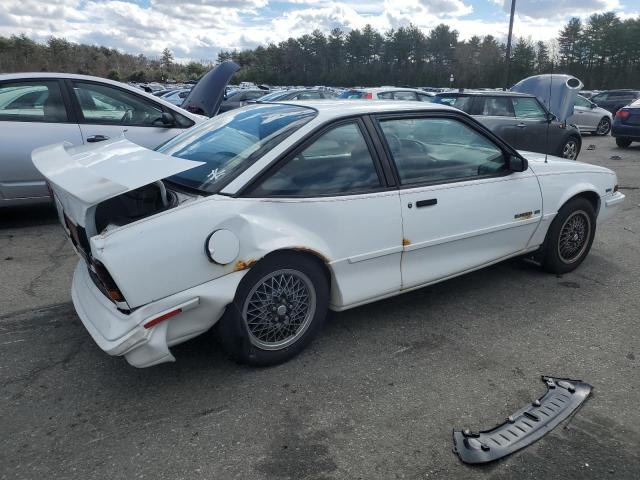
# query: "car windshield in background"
[270,97]
[229,143]
[352,94]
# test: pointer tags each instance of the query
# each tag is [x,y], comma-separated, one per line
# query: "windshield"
[274,96]
[229,143]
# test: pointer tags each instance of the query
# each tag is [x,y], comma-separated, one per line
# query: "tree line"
[604,52]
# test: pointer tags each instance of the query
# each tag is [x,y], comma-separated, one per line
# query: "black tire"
[560,236]
[241,341]
[570,148]
[623,142]
[604,127]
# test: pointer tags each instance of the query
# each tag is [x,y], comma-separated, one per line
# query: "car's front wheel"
[604,126]
[623,142]
[279,307]
[570,148]
[570,236]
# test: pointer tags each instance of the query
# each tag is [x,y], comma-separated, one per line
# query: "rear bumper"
[609,205]
[120,334]
[626,131]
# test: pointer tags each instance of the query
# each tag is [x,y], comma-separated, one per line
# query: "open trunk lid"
[82,177]
[205,98]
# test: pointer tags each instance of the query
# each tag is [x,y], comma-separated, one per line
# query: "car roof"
[330,109]
[388,89]
[484,93]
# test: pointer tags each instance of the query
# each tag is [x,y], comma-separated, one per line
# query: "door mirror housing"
[594,105]
[167,120]
[551,117]
[518,164]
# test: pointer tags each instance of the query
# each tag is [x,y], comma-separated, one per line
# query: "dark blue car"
[626,125]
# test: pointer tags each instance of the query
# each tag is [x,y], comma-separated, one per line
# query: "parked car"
[388,93]
[626,125]
[178,96]
[239,98]
[296,94]
[519,119]
[613,100]
[38,109]
[262,218]
[589,117]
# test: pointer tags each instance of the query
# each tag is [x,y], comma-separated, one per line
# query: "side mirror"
[551,117]
[165,120]
[518,164]
[594,105]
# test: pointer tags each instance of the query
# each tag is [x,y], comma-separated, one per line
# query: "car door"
[531,124]
[496,113]
[32,114]
[106,111]
[462,206]
[331,191]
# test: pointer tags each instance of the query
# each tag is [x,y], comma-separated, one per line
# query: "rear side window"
[493,106]
[404,96]
[308,96]
[528,108]
[337,163]
[385,95]
[38,101]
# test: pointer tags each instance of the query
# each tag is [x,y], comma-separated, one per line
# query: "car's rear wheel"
[604,126]
[279,307]
[570,236]
[570,148]
[623,142]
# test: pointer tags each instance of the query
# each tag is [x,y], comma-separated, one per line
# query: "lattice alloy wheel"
[574,236]
[279,309]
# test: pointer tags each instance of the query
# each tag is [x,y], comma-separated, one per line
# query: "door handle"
[426,203]
[97,138]
[521,125]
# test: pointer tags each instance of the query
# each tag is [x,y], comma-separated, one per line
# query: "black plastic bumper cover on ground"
[526,425]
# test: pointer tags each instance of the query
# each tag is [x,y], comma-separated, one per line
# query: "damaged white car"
[259,220]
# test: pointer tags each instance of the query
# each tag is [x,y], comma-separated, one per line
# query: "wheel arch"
[589,194]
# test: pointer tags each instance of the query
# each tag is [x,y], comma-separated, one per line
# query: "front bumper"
[609,204]
[119,334]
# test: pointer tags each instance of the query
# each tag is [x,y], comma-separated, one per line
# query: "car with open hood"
[261,219]
[38,109]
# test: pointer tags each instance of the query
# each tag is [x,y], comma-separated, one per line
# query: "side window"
[601,97]
[112,106]
[423,97]
[427,150]
[493,106]
[582,102]
[38,101]
[526,107]
[385,95]
[337,163]
[404,96]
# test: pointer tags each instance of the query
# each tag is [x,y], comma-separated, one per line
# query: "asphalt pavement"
[376,396]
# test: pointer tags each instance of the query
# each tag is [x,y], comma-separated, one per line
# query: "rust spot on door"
[406,242]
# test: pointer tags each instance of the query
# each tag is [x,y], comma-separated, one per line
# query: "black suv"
[519,119]
[614,100]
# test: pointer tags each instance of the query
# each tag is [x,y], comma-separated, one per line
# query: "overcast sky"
[198,29]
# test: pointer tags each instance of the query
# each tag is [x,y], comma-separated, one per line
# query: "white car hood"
[84,176]
[548,164]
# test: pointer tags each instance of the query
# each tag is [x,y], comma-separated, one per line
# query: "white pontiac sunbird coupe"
[259,220]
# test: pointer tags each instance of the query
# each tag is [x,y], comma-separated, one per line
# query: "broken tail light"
[105,282]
